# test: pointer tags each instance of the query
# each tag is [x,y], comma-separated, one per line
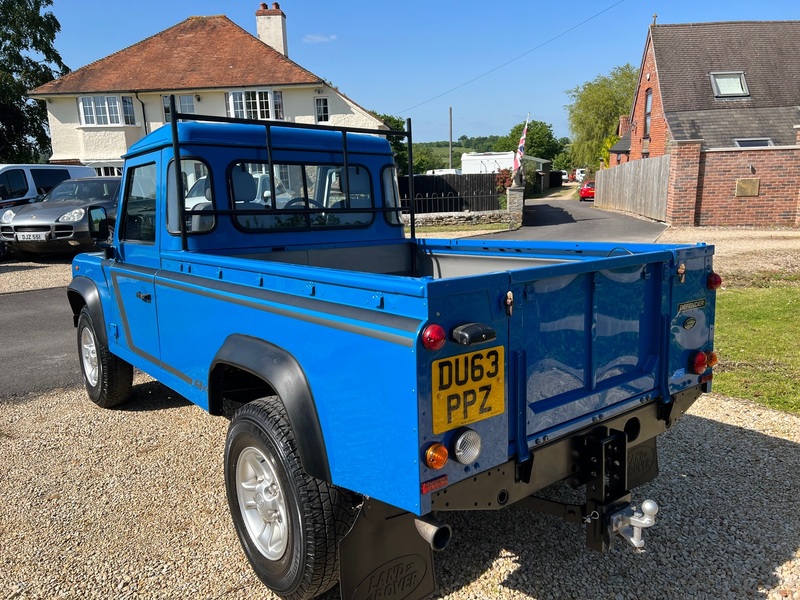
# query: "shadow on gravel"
[13,265]
[152,396]
[729,518]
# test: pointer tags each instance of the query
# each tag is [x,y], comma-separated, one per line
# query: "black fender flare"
[285,375]
[83,290]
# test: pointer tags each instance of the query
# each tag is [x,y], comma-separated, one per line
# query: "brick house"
[723,100]
[212,65]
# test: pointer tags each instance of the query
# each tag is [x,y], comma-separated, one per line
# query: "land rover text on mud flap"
[378,379]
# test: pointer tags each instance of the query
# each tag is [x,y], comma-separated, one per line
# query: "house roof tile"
[766,51]
[719,129]
[198,53]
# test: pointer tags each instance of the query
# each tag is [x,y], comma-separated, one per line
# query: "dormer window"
[729,84]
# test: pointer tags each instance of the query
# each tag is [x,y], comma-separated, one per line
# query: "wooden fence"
[638,187]
[451,193]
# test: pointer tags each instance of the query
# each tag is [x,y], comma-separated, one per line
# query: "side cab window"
[139,217]
[198,197]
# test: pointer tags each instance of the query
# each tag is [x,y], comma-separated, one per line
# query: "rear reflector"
[714,281]
[434,484]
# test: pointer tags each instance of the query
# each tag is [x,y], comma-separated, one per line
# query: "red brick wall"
[683,183]
[702,187]
[778,200]
[658,125]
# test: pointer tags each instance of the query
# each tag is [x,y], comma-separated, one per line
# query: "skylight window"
[752,142]
[729,84]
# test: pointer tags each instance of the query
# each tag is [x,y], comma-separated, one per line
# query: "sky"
[493,63]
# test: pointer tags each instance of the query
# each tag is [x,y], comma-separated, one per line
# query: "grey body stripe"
[218,289]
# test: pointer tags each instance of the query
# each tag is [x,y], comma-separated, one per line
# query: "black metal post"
[176,151]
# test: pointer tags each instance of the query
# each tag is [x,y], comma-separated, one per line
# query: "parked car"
[58,221]
[587,191]
[21,184]
[579,175]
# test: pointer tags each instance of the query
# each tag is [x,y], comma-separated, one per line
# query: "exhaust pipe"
[436,534]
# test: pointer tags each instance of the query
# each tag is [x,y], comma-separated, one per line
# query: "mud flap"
[384,557]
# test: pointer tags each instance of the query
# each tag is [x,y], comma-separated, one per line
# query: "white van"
[19,184]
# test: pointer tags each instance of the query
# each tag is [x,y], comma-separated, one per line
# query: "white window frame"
[185,104]
[106,111]
[719,93]
[322,109]
[258,105]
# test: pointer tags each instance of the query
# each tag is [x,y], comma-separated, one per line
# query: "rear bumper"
[568,459]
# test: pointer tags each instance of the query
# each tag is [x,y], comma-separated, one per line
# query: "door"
[133,275]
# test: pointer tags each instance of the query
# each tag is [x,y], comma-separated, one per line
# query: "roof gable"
[198,53]
[767,52]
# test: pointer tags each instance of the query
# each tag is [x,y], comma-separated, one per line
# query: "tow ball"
[628,523]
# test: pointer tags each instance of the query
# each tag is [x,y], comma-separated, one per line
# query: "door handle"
[143,297]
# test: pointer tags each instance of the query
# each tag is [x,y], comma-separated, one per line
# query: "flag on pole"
[521,147]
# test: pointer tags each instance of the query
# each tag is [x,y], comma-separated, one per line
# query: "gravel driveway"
[130,503]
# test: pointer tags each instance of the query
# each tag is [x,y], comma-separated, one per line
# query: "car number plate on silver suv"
[31,237]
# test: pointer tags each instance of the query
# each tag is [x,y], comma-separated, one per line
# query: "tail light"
[698,363]
[701,361]
[714,281]
[434,337]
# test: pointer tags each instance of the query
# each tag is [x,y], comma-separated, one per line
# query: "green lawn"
[756,337]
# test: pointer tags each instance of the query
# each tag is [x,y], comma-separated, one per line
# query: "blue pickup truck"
[375,382]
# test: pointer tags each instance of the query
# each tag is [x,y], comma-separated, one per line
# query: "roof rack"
[268,125]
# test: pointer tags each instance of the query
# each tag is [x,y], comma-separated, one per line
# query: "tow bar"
[607,512]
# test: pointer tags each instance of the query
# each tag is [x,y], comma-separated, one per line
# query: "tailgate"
[583,344]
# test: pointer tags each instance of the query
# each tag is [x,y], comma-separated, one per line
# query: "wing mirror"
[99,231]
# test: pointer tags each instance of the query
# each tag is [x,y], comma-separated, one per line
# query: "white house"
[211,64]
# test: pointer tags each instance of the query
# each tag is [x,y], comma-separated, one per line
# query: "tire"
[108,379]
[289,523]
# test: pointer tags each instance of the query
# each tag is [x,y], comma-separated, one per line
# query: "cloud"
[318,38]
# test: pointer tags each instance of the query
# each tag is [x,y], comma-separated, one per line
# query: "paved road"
[38,349]
[562,219]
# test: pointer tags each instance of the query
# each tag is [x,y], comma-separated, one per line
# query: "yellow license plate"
[468,388]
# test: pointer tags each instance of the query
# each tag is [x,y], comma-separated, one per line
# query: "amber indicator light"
[436,456]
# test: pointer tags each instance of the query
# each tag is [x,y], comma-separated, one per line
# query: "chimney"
[624,125]
[271,27]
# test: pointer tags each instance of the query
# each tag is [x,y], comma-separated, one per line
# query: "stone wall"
[512,216]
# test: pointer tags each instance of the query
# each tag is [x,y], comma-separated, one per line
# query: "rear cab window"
[320,196]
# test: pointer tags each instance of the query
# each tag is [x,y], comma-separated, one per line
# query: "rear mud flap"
[384,557]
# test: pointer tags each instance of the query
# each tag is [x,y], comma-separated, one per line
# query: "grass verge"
[756,335]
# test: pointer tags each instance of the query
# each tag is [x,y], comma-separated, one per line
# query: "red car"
[587,191]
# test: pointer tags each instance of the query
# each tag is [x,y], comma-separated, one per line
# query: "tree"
[539,142]
[595,110]
[28,59]
[426,160]
[398,143]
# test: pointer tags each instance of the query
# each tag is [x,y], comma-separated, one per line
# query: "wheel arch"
[81,292]
[281,372]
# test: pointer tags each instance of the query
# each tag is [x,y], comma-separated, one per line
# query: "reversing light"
[436,456]
[714,281]
[434,337]
[467,446]
[711,359]
[698,363]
